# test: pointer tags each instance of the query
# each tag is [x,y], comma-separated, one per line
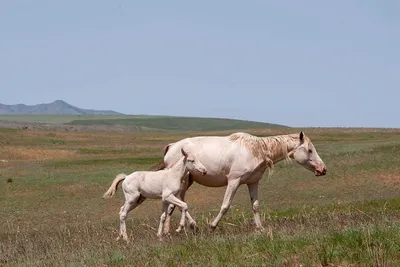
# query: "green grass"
[59,118]
[179,123]
[52,213]
[143,122]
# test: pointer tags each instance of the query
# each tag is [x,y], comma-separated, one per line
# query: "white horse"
[241,158]
[164,184]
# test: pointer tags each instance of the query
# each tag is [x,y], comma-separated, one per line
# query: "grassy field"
[179,123]
[59,118]
[52,213]
[142,122]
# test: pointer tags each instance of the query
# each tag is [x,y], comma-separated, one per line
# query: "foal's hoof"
[162,238]
[260,229]
[168,234]
[123,238]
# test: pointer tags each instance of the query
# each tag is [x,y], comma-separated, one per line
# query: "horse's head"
[192,163]
[306,155]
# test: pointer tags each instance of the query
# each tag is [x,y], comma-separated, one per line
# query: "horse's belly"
[210,180]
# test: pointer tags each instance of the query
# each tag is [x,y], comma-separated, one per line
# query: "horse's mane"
[266,148]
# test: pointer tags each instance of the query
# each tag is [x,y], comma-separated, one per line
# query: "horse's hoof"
[179,229]
[261,230]
[193,226]
[212,228]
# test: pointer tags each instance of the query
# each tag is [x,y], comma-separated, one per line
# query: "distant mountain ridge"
[58,107]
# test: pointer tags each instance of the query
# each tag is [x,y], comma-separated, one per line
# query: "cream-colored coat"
[162,184]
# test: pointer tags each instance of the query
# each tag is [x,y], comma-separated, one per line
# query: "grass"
[179,123]
[52,213]
[143,122]
[58,118]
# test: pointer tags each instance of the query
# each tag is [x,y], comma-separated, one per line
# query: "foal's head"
[192,163]
[306,155]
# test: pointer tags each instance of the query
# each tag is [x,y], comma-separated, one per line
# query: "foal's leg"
[162,220]
[171,208]
[253,191]
[131,202]
[192,222]
[229,194]
[176,201]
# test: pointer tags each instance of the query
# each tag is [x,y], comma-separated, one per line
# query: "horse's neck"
[278,147]
[179,167]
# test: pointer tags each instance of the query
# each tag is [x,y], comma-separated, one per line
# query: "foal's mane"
[266,148]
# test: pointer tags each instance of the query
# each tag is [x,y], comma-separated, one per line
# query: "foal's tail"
[113,188]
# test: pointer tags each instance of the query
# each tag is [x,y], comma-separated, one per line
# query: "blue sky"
[299,63]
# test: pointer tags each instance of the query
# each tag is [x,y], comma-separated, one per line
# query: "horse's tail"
[157,167]
[161,165]
[113,188]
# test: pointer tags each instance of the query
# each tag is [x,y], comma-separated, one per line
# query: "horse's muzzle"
[320,170]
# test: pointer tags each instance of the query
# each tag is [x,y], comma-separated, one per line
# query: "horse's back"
[202,147]
[216,153]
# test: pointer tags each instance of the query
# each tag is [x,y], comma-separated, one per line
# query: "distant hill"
[57,107]
[60,114]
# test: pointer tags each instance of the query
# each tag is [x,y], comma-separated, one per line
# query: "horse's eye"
[310,151]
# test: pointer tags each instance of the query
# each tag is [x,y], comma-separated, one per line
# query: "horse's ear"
[184,152]
[301,136]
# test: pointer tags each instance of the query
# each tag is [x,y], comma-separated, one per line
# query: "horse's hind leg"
[253,191]
[131,202]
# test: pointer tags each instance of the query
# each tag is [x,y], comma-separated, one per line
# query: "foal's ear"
[184,152]
[301,136]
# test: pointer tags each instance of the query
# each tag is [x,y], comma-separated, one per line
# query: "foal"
[164,184]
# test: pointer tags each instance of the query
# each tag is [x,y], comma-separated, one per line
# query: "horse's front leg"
[226,203]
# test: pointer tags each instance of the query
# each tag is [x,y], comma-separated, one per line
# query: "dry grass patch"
[388,179]
[35,154]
